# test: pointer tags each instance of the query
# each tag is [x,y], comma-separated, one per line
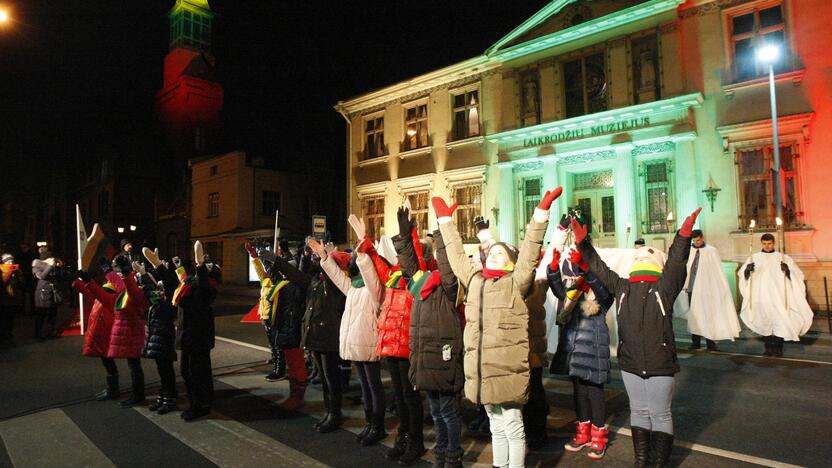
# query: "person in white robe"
[774,297]
[706,299]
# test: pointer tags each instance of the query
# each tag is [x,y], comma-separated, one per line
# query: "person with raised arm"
[646,347]
[496,337]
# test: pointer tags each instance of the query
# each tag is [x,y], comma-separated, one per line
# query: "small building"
[234,199]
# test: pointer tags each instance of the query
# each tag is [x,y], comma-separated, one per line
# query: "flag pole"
[276,231]
[79,240]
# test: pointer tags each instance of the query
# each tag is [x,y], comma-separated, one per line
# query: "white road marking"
[243,343]
[49,438]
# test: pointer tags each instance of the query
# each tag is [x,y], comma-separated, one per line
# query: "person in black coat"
[193,297]
[646,346]
[583,302]
[160,343]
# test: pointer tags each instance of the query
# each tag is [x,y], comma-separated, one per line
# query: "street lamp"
[768,54]
[4,16]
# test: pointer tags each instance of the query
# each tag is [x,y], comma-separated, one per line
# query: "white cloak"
[711,312]
[772,304]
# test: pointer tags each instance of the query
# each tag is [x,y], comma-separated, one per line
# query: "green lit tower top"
[190,25]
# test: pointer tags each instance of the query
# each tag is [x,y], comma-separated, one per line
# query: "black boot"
[453,459]
[662,444]
[767,341]
[398,447]
[641,446]
[695,342]
[194,413]
[438,458]
[136,397]
[156,404]
[335,418]
[111,392]
[279,368]
[711,344]
[414,451]
[326,415]
[777,347]
[377,432]
[168,404]
[368,417]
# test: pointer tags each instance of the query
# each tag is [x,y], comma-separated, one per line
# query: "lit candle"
[753,224]
[778,221]
[670,216]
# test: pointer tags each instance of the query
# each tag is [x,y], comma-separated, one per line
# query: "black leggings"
[199,378]
[536,411]
[408,400]
[327,364]
[48,314]
[590,404]
[136,372]
[167,376]
[372,392]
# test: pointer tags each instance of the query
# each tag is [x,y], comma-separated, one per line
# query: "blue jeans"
[444,408]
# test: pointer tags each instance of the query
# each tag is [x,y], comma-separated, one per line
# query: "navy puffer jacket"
[587,335]
[161,317]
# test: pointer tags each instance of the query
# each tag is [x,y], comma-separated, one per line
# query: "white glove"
[139,268]
[330,247]
[317,248]
[358,227]
[199,255]
[152,256]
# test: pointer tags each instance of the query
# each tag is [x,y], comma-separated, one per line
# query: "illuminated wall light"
[132,227]
[120,229]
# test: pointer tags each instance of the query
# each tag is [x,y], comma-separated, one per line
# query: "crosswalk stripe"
[227,442]
[67,446]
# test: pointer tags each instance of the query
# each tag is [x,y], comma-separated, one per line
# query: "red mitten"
[250,250]
[364,245]
[687,226]
[576,258]
[548,198]
[579,230]
[441,208]
[555,260]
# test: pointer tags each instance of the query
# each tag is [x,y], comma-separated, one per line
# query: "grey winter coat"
[46,293]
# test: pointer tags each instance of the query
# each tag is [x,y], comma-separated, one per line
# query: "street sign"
[319,226]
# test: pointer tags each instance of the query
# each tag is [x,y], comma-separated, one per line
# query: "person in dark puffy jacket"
[281,309]
[193,297]
[160,345]
[646,346]
[436,343]
[583,302]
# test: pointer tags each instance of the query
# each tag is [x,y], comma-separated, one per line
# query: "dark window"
[213,170]
[469,199]
[374,138]
[752,31]
[658,199]
[271,202]
[419,209]
[757,186]
[416,127]
[213,204]
[466,115]
[646,86]
[373,209]
[585,85]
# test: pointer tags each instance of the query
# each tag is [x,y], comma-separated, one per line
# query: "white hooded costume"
[710,309]
[772,304]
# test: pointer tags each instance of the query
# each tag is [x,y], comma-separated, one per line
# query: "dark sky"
[78,77]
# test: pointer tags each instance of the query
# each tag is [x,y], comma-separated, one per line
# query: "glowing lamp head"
[4,16]
[768,53]
[411,132]
[778,221]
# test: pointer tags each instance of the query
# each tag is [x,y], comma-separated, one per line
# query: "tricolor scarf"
[186,284]
[488,273]
[122,300]
[273,296]
[7,271]
[108,286]
[396,280]
[646,272]
[357,281]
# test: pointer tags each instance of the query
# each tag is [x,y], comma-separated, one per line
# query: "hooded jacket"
[358,333]
[646,345]
[324,306]
[100,321]
[46,275]
[587,335]
[128,330]
[161,317]
[435,328]
[195,328]
[285,299]
[496,336]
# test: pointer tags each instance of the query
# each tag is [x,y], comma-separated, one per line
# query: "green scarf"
[357,281]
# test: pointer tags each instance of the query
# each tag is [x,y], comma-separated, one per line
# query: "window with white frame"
[657,195]
[416,127]
[530,195]
[372,208]
[374,137]
[754,167]
[749,30]
[419,202]
[466,112]
[468,197]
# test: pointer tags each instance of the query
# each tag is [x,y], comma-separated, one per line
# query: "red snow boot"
[581,438]
[598,447]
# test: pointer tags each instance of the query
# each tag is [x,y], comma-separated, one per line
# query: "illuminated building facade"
[639,109]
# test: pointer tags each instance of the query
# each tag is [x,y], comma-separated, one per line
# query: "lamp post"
[768,54]
[4,16]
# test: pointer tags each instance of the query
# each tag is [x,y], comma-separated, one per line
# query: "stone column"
[550,181]
[625,194]
[506,204]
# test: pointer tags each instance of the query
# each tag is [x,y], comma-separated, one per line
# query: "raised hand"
[687,225]
[138,268]
[357,226]
[555,264]
[199,254]
[549,197]
[152,256]
[576,258]
[441,208]
[83,276]
[481,223]
[252,252]
[329,247]
[317,248]
[564,222]
[405,224]
[578,230]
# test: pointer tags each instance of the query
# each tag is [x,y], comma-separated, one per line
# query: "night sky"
[79,77]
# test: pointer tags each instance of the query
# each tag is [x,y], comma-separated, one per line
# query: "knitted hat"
[125,242]
[648,265]
[342,259]
[6,257]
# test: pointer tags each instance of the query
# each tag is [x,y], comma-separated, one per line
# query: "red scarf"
[488,273]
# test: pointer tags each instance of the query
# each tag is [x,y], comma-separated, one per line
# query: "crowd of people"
[445,325]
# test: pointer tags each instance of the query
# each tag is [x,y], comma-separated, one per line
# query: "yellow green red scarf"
[186,283]
[273,297]
[7,274]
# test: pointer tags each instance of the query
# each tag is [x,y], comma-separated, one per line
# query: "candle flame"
[778,221]
[753,224]
[670,216]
